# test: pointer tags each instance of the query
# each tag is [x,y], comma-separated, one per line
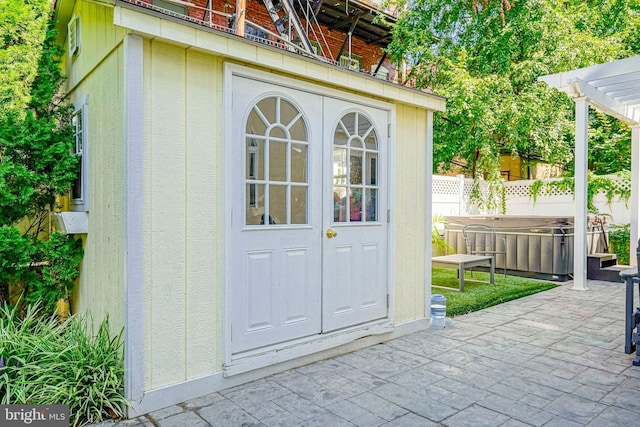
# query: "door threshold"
[267,356]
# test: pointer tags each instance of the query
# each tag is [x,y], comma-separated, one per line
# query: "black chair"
[631,317]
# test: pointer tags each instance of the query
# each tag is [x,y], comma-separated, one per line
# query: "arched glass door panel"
[355,157]
[276,179]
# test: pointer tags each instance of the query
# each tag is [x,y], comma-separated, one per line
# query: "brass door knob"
[331,233]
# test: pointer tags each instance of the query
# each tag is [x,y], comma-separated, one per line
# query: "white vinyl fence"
[451,196]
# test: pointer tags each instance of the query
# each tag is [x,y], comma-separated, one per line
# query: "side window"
[79,198]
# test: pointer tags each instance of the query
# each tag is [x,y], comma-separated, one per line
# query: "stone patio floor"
[551,359]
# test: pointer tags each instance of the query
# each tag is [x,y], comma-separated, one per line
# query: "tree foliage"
[36,144]
[22,30]
[485,58]
[36,164]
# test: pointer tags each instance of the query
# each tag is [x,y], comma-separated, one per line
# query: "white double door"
[309,214]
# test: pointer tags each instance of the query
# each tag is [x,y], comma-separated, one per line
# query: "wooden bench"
[462,262]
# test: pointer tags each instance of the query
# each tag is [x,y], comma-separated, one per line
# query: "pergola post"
[634,204]
[614,89]
[580,192]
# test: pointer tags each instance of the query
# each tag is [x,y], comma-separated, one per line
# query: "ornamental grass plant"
[45,361]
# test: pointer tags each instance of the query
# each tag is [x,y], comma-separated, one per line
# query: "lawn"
[477,296]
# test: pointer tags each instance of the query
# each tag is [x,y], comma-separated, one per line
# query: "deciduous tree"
[486,56]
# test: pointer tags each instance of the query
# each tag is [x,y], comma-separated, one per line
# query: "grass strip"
[477,296]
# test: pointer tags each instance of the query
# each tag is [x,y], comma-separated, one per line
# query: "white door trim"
[231,70]
[238,70]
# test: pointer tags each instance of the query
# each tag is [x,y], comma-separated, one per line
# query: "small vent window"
[73,36]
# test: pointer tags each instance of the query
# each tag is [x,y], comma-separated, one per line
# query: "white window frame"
[81,147]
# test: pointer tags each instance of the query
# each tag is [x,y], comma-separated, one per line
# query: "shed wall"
[98,37]
[97,71]
[410,198]
[182,214]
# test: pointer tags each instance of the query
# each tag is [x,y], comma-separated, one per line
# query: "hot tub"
[537,246]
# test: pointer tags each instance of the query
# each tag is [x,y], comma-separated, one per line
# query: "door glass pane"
[287,112]
[298,205]
[255,159]
[277,132]
[277,161]
[298,131]
[371,141]
[349,121]
[355,205]
[340,137]
[371,204]
[254,203]
[339,166]
[268,109]
[340,204]
[364,125]
[355,167]
[255,124]
[277,204]
[298,163]
[372,169]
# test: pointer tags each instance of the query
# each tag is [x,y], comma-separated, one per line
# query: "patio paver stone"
[551,359]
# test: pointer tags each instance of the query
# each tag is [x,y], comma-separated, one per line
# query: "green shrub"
[619,237]
[43,361]
[43,268]
[59,256]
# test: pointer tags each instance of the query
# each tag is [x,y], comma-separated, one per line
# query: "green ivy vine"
[596,184]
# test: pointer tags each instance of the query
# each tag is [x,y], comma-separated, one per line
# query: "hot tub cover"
[512,221]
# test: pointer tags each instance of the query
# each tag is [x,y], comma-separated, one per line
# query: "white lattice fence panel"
[468,187]
[517,188]
[551,200]
[445,186]
[523,188]
[623,185]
